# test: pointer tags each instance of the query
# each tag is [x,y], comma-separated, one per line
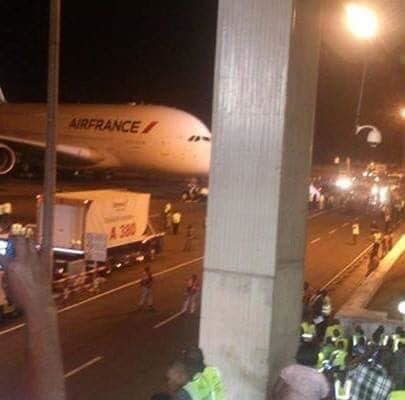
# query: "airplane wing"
[79,155]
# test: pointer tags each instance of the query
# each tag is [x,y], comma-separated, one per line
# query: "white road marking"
[83,366]
[317,214]
[164,322]
[315,240]
[129,284]
[13,328]
[345,224]
[98,296]
[332,231]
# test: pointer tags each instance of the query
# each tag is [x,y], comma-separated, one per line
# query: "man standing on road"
[387,221]
[189,238]
[176,219]
[146,287]
[167,216]
[191,294]
[355,230]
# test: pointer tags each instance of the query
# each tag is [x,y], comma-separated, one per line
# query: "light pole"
[51,138]
[362,22]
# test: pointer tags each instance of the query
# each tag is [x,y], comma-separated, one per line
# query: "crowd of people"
[343,365]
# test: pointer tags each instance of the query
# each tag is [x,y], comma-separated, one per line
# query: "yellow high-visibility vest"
[308,331]
[343,392]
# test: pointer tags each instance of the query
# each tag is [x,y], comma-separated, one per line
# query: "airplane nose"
[204,160]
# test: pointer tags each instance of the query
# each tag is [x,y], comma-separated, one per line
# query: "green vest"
[356,337]
[215,382]
[327,350]
[308,331]
[199,388]
[397,341]
[331,328]
[397,395]
[339,358]
[345,343]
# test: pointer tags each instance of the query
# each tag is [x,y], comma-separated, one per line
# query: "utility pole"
[51,137]
[361,93]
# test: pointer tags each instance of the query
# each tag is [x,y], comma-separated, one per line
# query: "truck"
[108,227]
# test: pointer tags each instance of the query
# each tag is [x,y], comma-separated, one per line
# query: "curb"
[355,311]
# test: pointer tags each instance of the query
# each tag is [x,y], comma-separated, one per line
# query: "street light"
[361,21]
[374,136]
[402,112]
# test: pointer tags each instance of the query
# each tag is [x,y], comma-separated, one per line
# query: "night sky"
[162,52]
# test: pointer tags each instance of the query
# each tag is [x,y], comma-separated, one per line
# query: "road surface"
[113,350]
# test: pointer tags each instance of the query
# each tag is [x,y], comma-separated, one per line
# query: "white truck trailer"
[104,226]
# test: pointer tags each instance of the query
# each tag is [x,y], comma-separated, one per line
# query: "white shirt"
[176,217]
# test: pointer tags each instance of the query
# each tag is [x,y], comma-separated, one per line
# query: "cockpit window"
[195,138]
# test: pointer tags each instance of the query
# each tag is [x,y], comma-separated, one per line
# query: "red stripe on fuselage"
[150,126]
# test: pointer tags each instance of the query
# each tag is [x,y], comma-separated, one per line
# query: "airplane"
[144,139]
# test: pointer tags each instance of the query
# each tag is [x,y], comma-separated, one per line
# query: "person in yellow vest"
[333,325]
[308,331]
[358,333]
[335,336]
[398,340]
[377,336]
[196,367]
[397,394]
[343,387]
[397,367]
[198,388]
[361,347]
[324,355]
[345,343]
[182,387]
[397,333]
[338,357]
[326,305]
[355,230]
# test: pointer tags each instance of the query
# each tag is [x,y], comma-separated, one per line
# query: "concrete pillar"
[264,103]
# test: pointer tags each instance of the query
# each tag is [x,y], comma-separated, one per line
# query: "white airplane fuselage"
[144,138]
